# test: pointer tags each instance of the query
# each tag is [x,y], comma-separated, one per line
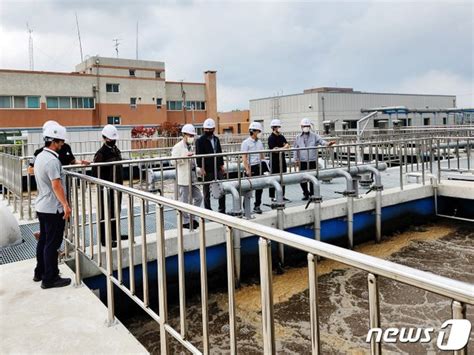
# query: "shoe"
[59,282]
[222,211]
[257,210]
[124,237]
[37,278]
[286,199]
[195,224]
[114,244]
[37,235]
[306,198]
[186,226]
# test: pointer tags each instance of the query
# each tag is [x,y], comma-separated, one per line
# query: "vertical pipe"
[317,220]
[131,243]
[438,151]
[204,295]
[181,278]
[91,225]
[313,304]
[76,234]
[146,299]
[237,243]
[281,226]
[264,248]
[374,312]
[378,215]
[28,186]
[83,214]
[350,221]
[231,288]
[161,265]
[109,261]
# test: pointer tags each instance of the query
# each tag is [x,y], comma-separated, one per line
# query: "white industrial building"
[344,107]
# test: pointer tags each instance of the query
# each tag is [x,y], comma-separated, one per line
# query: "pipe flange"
[278,205]
[349,193]
[377,188]
[317,199]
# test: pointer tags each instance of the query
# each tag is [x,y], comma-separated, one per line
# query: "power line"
[30,47]
[79,36]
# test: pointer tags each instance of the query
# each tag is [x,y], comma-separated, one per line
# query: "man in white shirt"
[253,163]
[186,173]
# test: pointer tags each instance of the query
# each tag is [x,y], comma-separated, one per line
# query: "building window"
[113,119]
[159,101]
[196,105]
[133,102]
[19,101]
[70,102]
[426,121]
[5,101]
[112,87]
[33,101]
[131,72]
[158,74]
[445,121]
[175,105]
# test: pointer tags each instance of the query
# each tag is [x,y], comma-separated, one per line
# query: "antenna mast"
[79,36]
[30,47]
[136,49]
[116,45]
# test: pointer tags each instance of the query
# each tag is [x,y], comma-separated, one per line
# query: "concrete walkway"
[66,320]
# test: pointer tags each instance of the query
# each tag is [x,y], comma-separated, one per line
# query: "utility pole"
[136,44]
[30,47]
[183,97]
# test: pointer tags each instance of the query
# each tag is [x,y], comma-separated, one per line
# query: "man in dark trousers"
[277,142]
[113,173]
[211,168]
[51,207]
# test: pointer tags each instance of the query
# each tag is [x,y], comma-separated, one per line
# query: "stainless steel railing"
[84,204]
[422,155]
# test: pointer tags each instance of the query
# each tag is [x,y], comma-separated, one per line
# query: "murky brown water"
[446,249]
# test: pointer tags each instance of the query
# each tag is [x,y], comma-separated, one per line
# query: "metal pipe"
[161,266]
[109,261]
[231,289]
[378,187]
[374,312]
[266,295]
[204,294]
[350,193]
[313,303]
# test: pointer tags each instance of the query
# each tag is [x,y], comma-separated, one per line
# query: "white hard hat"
[209,123]
[275,123]
[188,129]
[255,126]
[55,131]
[48,123]
[110,132]
[305,122]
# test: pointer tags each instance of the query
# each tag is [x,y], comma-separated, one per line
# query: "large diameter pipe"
[350,193]
[316,199]
[378,187]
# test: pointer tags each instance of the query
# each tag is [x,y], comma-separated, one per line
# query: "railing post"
[459,312]
[231,288]
[264,248]
[374,312]
[76,233]
[204,295]
[313,303]
[109,261]
[181,275]
[161,264]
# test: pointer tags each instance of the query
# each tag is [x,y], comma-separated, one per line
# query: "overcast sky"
[259,48]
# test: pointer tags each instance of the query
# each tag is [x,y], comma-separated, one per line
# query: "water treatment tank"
[10,230]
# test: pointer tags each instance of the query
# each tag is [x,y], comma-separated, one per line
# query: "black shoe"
[306,198]
[257,210]
[222,211]
[37,278]
[195,224]
[59,282]
[114,244]
[123,237]
[186,225]
[286,199]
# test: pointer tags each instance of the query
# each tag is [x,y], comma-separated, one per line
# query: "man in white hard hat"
[253,163]
[66,157]
[109,153]
[211,168]
[186,173]
[277,142]
[308,158]
[51,207]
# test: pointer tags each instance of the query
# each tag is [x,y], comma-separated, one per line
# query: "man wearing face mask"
[253,163]
[51,207]
[308,158]
[186,173]
[277,141]
[114,173]
[211,168]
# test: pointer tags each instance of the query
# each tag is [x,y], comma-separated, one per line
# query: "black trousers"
[51,230]
[257,170]
[276,170]
[114,230]
[207,193]
[311,165]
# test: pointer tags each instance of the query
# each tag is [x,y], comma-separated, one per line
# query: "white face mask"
[259,135]
[305,129]
[190,140]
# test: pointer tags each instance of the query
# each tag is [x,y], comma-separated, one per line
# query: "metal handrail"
[460,292]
